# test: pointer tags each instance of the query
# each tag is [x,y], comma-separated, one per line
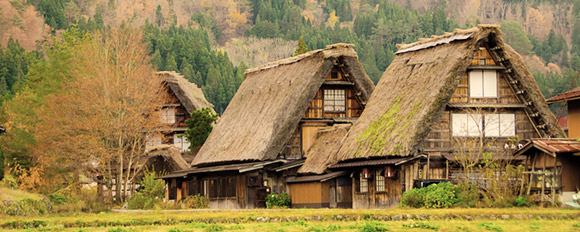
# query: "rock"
[339,217]
[422,217]
[397,217]
[467,217]
[505,217]
[492,217]
[518,216]
[317,218]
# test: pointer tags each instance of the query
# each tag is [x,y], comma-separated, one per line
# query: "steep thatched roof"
[171,156]
[271,101]
[415,88]
[188,93]
[323,151]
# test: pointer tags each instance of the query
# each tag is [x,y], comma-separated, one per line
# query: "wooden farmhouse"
[436,100]
[168,150]
[274,119]
[552,165]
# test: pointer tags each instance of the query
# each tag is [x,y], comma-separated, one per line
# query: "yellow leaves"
[235,19]
[332,19]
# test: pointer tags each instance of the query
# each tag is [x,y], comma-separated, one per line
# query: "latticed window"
[380,181]
[334,100]
[168,115]
[364,184]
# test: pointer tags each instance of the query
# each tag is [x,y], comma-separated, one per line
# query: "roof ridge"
[434,38]
[294,59]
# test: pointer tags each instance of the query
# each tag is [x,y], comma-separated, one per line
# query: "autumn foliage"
[100,121]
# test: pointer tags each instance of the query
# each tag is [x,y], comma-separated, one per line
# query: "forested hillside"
[213,42]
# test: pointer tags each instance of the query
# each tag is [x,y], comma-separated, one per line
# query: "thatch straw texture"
[415,88]
[270,103]
[170,154]
[188,93]
[323,151]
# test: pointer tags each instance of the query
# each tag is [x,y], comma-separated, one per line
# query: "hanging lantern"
[365,173]
[389,172]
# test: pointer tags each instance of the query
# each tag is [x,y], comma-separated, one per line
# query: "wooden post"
[553,181]
[428,172]
[533,161]
[543,178]
[447,169]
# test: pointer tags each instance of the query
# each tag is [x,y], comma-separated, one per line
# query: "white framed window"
[334,100]
[483,83]
[379,181]
[363,184]
[500,125]
[168,115]
[466,125]
[153,140]
[181,142]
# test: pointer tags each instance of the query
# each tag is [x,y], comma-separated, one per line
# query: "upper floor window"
[466,125]
[168,115]
[334,100]
[491,125]
[500,125]
[181,142]
[152,141]
[483,83]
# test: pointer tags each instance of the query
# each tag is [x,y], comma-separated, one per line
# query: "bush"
[150,194]
[442,195]
[281,200]
[140,201]
[522,201]
[196,202]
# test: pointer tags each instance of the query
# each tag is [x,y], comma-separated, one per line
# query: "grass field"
[398,219]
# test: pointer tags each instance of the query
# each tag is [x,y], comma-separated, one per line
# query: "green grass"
[7,194]
[303,220]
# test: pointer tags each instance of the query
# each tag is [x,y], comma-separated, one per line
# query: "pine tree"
[301,47]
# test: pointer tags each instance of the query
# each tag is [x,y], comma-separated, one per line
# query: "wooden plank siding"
[305,194]
[394,187]
[440,138]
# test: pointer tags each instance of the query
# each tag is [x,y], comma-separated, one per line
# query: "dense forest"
[199,47]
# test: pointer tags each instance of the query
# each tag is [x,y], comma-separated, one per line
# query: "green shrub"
[522,201]
[274,200]
[442,195]
[174,230]
[57,199]
[373,227]
[414,198]
[10,182]
[196,202]
[152,188]
[139,201]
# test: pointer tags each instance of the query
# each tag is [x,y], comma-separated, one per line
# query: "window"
[380,181]
[334,100]
[466,124]
[152,141]
[364,184]
[481,61]
[493,125]
[168,115]
[220,187]
[181,142]
[334,75]
[483,84]
[500,125]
